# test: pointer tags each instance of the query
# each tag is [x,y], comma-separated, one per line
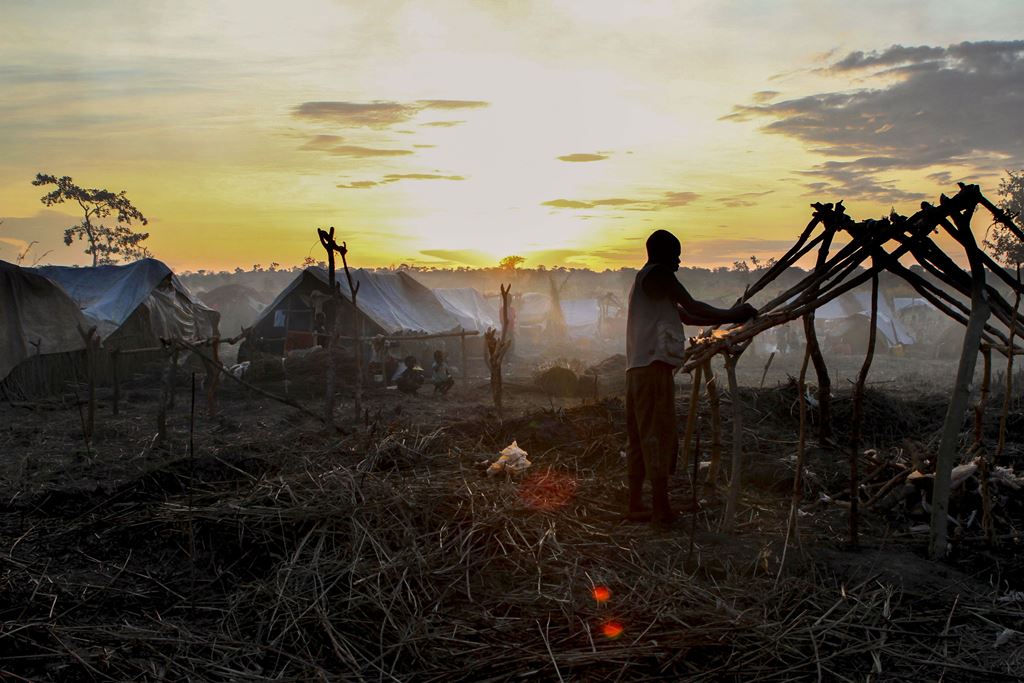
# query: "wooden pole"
[801,450]
[715,407]
[1008,389]
[465,356]
[858,416]
[331,314]
[92,343]
[212,379]
[691,419]
[735,478]
[165,391]
[496,348]
[958,402]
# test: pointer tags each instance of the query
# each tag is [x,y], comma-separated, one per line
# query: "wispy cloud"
[744,198]
[666,200]
[377,114]
[360,152]
[394,178]
[443,124]
[580,157]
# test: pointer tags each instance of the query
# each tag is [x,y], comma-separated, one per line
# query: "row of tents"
[46,312]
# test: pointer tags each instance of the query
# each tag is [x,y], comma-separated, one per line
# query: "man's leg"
[635,470]
[660,439]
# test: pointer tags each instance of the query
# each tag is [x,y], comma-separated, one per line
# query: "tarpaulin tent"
[135,305]
[470,308]
[389,304]
[850,314]
[37,318]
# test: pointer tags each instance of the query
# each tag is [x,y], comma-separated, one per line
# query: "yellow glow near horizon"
[561,131]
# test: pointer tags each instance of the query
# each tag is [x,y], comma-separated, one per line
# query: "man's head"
[663,247]
[410,362]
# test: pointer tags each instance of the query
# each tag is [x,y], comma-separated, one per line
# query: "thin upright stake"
[715,407]
[691,418]
[732,501]
[961,390]
[116,376]
[858,416]
[1008,390]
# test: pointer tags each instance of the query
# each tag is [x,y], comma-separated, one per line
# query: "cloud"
[358,185]
[929,106]
[453,104]
[443,124]
[567,204]
[583,157]
[365,152]
[765,96]
[322,142]
[667,200]
[679,198]
[424,146]
[377,114]
[743,199]
[394,178]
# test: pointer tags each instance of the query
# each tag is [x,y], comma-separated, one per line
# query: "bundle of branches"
[882,242]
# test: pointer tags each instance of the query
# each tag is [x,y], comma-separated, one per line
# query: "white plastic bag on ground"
[511,459]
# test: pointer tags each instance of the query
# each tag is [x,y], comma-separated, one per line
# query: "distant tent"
[846,317]
[470,308]
[582,317]
[135,305]
[389,304]
[37,318]
[239,306]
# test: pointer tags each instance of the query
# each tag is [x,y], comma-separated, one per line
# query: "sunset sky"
[454,133]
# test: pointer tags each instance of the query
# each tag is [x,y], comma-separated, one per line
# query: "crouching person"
[410,379]
[655,342]
[440,375]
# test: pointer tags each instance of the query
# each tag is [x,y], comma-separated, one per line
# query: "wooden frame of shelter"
[968,299]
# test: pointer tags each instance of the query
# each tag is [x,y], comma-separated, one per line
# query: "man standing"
[655,343]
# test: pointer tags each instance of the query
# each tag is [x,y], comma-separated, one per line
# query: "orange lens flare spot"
[611,629]
[602,594]
[547,490]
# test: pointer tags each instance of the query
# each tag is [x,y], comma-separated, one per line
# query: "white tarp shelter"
[394,302]
[135,303]
[470,308]
[858,303]
[36,318]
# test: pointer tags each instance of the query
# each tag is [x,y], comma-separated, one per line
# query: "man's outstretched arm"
[662,282]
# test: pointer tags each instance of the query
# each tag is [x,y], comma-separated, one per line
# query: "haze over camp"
[497,341]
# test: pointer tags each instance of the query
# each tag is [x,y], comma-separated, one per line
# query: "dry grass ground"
[279,553]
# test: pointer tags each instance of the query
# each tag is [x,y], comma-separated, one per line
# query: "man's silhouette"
[655,342]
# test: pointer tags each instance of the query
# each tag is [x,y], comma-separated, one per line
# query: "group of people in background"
[410,377]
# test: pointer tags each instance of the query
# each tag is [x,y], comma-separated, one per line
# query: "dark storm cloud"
[378,114]
[958,105]
[581,157]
